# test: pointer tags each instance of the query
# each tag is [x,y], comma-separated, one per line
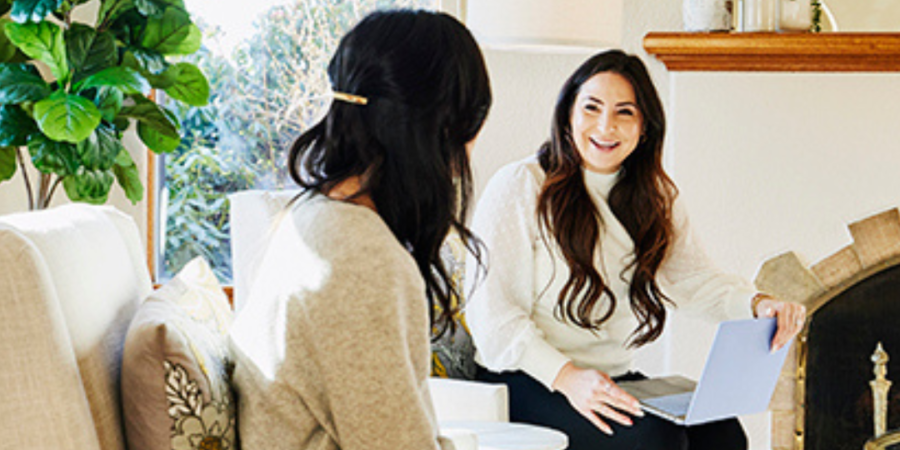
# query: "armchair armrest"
[462,400]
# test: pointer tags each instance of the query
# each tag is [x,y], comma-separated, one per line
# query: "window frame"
[155,176]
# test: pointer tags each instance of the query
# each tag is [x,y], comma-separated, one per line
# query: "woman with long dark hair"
[332,348]
[587,249]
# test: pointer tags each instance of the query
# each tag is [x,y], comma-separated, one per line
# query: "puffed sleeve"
[695,284]
[500,305]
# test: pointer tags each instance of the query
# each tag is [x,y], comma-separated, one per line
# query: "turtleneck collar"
[600,183]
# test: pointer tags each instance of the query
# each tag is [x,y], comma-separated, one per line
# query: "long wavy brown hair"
[641,200]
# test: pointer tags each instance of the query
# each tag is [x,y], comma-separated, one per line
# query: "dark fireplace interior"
[842,336]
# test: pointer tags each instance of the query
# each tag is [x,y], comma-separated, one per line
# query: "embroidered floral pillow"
[176,370]
[453,354]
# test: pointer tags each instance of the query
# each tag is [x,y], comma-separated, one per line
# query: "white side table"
[511,436]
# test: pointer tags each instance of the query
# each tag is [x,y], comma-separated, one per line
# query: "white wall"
[775,162]
[868,15]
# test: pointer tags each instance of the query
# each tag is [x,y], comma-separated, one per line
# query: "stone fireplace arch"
[874,250]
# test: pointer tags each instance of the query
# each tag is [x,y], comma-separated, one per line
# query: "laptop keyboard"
[677,404]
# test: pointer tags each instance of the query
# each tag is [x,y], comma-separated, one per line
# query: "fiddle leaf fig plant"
[69,90]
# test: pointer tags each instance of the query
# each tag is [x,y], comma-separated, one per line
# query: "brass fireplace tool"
[880,387]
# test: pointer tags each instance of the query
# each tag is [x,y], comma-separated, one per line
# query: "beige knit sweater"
[332,349]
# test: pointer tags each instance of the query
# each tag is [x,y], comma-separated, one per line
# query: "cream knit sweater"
[511,311]
[332,349]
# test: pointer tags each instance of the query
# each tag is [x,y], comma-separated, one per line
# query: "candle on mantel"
[794,15]
[759,15]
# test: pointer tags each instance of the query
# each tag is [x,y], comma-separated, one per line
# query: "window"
[265,61]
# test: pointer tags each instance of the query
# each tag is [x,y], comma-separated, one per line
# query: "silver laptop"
[739,378]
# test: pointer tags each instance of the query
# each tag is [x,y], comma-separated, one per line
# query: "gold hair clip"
[350,98]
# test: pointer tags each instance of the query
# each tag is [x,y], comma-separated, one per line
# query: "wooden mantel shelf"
[776,52]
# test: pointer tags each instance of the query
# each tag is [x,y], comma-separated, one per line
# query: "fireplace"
[823,400]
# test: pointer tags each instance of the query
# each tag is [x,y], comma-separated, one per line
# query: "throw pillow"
[175,367]
[453,354]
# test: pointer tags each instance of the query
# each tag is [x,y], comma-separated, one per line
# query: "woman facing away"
[587,249]
[332,348]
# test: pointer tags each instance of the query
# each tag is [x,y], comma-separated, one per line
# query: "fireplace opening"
[841,338]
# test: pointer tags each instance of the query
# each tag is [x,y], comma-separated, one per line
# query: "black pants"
[531,402]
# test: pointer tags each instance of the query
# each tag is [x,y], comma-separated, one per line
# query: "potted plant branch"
[69,90]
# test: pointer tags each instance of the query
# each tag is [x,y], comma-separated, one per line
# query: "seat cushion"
[176,369]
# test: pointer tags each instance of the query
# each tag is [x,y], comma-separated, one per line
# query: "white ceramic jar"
[759,15]
[707,15]
[794,15]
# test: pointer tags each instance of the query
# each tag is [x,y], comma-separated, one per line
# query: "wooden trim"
[229,291]
[776,52]
[151,213]
[151,204]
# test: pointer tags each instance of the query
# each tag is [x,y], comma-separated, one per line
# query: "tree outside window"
[266,88]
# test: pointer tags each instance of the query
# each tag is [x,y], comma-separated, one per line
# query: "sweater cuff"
[542,361]
[739,304]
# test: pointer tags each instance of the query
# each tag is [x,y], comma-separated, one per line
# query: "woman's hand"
[593,394]
[791,318]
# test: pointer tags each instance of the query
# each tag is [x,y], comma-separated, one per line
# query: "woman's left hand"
[791,318]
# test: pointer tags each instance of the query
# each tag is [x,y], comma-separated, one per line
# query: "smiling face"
[606,122]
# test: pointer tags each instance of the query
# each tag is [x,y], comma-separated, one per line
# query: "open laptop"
[739,378]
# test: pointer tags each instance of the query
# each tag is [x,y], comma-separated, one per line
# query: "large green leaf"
[121,123]
[15,125]
[164,80]
[190,44]
[88,51]
[160,140]
[173,33]
[109,102]
[127,175]
[66,117]
[157,127]
[122,78]
[89,186]
[8,51]
[111,9]
[51,156]
[100,149]
[144,61]
[21,83]
[43,41]
[156,7]
[33,10]
[7,163]
[190,84]
[79,38]
[101,54]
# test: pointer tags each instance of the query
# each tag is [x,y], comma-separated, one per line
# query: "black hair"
[428,94]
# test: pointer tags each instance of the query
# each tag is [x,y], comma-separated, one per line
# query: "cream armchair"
[70,281]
